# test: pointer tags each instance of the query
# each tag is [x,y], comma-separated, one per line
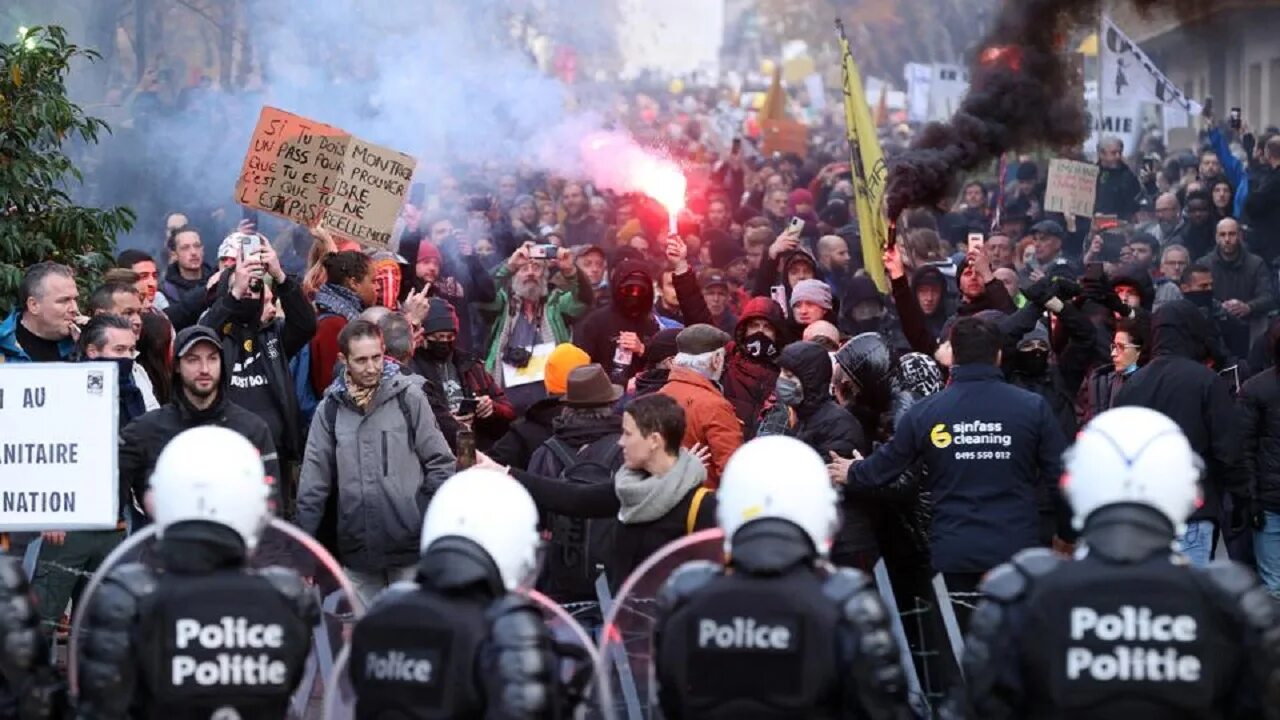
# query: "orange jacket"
[709,418]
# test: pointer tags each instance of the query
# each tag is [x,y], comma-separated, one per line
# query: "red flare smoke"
[1009,56]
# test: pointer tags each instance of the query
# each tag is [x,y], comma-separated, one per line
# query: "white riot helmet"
[1132,455]
[492,510]
[214,474]
[778,477]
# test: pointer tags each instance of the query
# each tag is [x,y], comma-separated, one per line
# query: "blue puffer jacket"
[11,351]
[987,446]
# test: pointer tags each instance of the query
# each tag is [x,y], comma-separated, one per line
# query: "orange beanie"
[562,360]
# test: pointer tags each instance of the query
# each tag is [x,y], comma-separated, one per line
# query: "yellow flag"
[868,168]
[775,101]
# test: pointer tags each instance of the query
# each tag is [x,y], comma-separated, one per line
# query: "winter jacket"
[1177,383]
[1245,278]
[598,332]
[1118,192]
[527,434]
[709,418]
[635,541]
[1263,209]
[175,287]
[383,482]
[245,340]
[142,440]
[564,304]
[1260,426]
[1098,394]
[475,383]
[473,286]
[11,351]
[987,446]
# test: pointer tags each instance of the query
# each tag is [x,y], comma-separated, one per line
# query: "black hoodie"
[1177,383]
[598,332]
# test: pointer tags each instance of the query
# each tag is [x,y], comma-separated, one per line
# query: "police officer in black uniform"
[457,642]
[201,636]
[1130,630]
[774,634]
[30,688]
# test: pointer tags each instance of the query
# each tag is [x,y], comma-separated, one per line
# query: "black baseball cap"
[188,338]
[711,277]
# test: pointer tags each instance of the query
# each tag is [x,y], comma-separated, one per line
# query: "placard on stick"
[308,172]
[1071,188]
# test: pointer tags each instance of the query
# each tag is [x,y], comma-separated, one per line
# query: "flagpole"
[1100,118]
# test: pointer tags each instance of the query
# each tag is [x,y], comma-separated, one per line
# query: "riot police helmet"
[493,511]
[778,477]
[1132,455]
[212,474]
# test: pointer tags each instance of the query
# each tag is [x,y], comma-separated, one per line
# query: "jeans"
[1197,542]
[1266,549]
[369,584]
[63,570]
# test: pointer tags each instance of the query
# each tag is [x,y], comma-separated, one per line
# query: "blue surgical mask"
[789,392]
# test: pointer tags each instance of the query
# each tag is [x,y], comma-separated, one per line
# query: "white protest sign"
[1127,73]
[1119,119]
[59,424]
[1071,187]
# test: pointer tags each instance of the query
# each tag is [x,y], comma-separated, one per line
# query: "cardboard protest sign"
[1071,188]
[308,172]
[784,136]
[59,446]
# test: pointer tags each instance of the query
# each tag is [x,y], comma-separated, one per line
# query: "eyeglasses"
[1121,347]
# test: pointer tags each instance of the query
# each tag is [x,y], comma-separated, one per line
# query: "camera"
[1235,118]
[517,356]
[543,252]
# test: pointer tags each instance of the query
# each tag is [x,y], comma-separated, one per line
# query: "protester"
[398,343]
[42,325]
[1177,383]
[375,447]
[709,418]
[121,299]
[347,290]
[201,396]
[1118,189]
[182,313]
[187,271]
[615,336]
[1242,282]
[462,377]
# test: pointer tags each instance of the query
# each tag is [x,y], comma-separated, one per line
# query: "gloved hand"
[1040,291]
[1066,289]
[1241,515]
[1094,289]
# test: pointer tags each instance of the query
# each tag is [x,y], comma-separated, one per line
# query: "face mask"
[632,305]
[439,350]
[760,346]
[1202,299]
[789,392]
[1032,363]
[125,371]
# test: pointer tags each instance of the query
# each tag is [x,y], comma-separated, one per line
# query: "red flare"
[1009,56]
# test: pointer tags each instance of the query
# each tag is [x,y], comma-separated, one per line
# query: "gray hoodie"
[383,483]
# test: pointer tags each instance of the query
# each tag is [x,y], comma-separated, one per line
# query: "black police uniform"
[29,686]
[772,636]
[203,637]
[455,644]
[1129,632]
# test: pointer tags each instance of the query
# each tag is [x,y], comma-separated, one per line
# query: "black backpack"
[579,548]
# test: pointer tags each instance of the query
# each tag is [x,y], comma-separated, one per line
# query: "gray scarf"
[646,497]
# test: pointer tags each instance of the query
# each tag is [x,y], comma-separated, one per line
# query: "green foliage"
[38,220]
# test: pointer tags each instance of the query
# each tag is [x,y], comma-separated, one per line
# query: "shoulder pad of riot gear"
[107,675]
[1009,582]
[844,583]
[294,589]
[136,578]
[519,672]
[32,680]
[1249,601]
[685,582]
[876,680]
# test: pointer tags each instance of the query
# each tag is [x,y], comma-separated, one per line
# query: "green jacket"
[565,303]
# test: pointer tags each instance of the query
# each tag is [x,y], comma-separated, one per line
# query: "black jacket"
[1260,427]
[1118,192]
[244,338]
[987,445]
[1263,209]
[143,439]
[1177,383]
[820,422]
[175,287]
[597,333]
[527,434]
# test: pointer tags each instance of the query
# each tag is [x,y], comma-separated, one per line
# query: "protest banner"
[58,446]
[1127,73]
[1071,188]
[311,173]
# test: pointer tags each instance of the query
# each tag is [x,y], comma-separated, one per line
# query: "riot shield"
[340,697]
[625,644]
[282,544]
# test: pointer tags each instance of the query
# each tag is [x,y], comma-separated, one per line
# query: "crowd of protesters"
[612,366]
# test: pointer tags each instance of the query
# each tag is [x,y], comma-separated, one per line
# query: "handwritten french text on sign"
[1071,188]
[309,172]
[58,446]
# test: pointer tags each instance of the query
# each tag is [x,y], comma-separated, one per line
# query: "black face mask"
[759,346]
[633,306]
[439,350]
[1202,299]
[125,372]
[1031,363]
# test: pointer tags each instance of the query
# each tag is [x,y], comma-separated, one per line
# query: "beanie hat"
[562,360]
[814,291]
[660,347]
[428,251]
[440,317]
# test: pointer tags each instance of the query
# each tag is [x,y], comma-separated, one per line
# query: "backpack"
[579,548]
[300,369]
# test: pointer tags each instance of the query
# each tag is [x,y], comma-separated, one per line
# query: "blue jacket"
[1237,173]
[11,351]
[987,445]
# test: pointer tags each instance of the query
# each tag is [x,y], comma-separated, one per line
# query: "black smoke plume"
[1024,92]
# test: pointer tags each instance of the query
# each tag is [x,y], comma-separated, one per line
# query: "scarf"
[338,300]
[363,397]
[645,498]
